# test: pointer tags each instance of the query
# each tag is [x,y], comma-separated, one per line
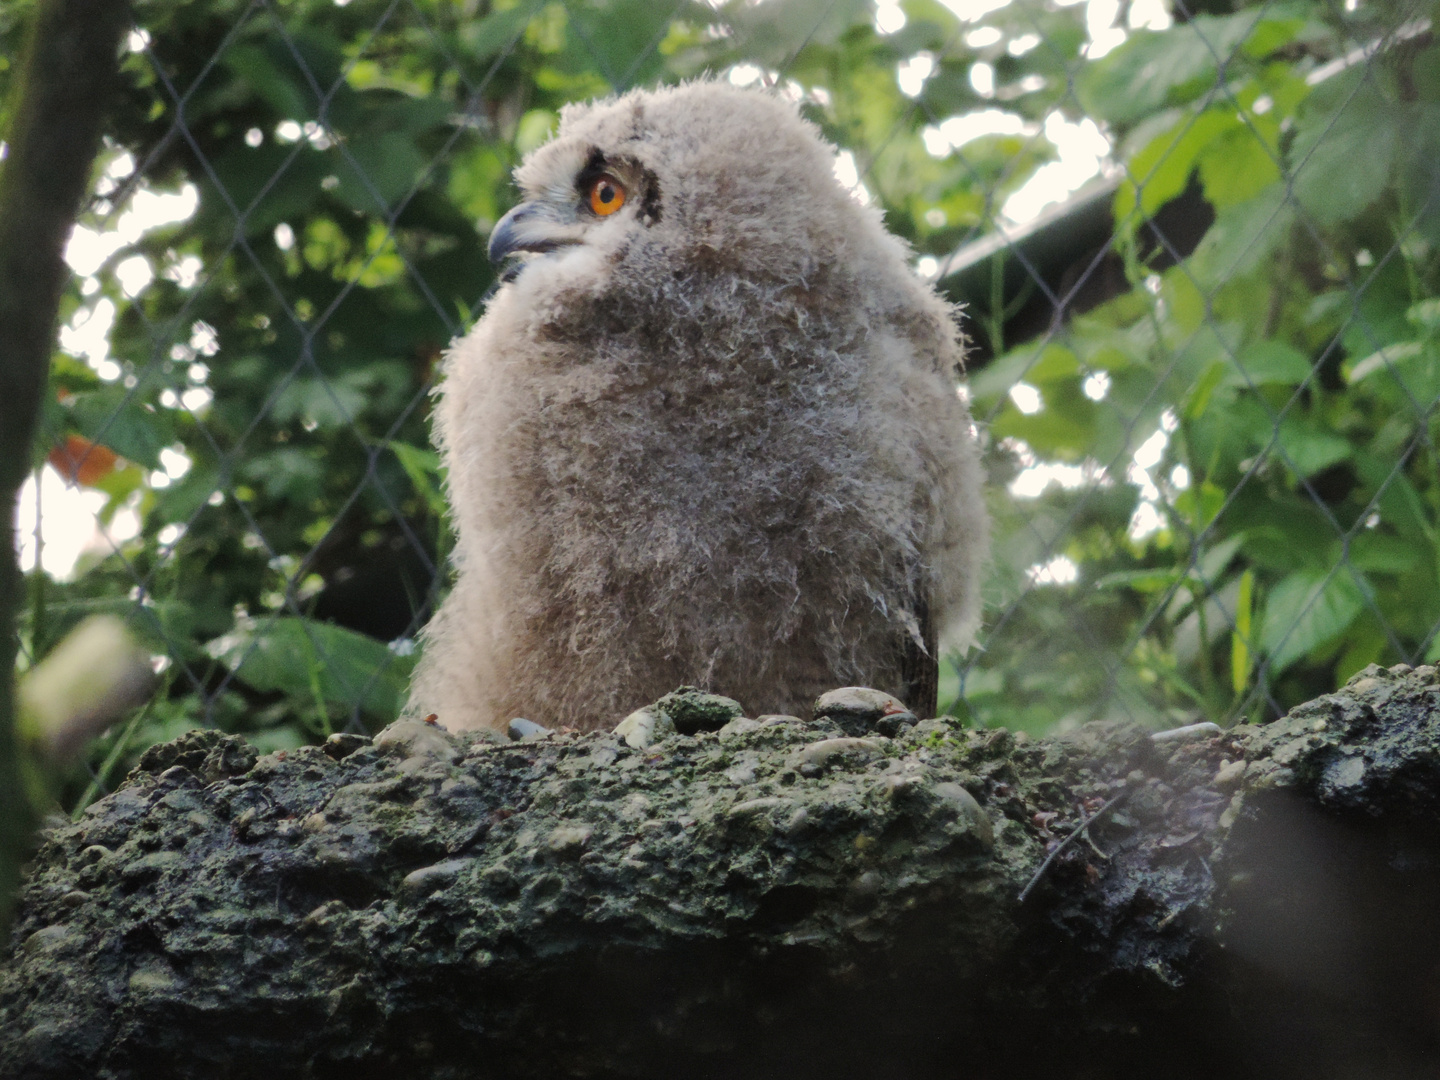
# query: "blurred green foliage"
[269,386]
[1293,362]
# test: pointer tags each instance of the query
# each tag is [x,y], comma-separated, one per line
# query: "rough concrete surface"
[776,898]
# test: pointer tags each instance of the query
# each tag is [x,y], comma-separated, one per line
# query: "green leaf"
[1240,636]
[266,185]
[1160,171]
[425,473]
[1239,164]
[1213,562]
[1426,314]
[1341,157]
[324,403]
[1364,645]
[294,656]
[535,129]
[277,81]
[1267,362]
[1308,447]
[1197,399]
[1411,366]
[499,31]
[1403,508]
[115,418]
[1307,611]
[1199,504]
[994,380]
[378,172]
[1244,236]
[1154,69]
[287,473]
[1386,359]
[1146,581]
[1378,552]
[1063,429]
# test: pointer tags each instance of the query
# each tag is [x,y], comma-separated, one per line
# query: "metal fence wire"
[1198,246]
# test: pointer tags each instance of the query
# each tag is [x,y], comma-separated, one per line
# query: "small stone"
[1345,772]
[692,710]
[429,878]
[739,726]
[771,719]
[859,709]
[644,727]
[567,841]
[754,807]
[1369,671]
[48,938]
[344,743]
[892,724]
[796,821]
[972,812]
[864,890]
[1203,730]
[319,916]
[521,729]
[151,980]
[1232,812]
[415,737]
[826,752]
[1229,774]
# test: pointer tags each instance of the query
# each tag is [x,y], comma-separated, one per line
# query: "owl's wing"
[920,668]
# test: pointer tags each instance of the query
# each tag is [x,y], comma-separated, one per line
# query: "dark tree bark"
[784,900]
[64,82]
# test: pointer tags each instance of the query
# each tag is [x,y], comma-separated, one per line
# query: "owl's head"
[703,176]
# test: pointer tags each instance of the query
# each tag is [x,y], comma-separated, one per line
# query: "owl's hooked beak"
[531,226]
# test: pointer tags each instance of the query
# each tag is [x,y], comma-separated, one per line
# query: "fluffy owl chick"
[707,432]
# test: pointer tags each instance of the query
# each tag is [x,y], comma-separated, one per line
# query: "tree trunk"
[772,900]
[64,84]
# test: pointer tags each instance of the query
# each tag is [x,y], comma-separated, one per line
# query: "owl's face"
[697,176]
[602,197]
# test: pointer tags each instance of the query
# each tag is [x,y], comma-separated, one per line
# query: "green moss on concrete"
[780,898]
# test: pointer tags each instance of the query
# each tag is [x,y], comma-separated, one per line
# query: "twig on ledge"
[1075,835]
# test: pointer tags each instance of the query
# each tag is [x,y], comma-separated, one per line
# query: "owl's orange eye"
[606,195]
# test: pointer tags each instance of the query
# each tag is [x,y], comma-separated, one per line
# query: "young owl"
[707,432]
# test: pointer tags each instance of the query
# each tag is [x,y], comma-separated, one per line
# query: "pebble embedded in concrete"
[644,727]
[859,710]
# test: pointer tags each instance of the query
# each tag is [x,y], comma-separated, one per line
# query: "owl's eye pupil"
[607,193]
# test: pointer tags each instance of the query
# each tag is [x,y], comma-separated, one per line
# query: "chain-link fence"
[1199,249]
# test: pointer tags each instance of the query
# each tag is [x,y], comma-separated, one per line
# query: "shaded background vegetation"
[1207,384]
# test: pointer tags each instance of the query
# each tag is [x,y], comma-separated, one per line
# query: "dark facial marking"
[649,196]
[595,167]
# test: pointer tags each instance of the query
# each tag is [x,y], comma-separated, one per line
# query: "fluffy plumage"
[710,438]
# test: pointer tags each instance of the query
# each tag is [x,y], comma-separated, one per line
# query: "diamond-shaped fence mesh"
[1198,247]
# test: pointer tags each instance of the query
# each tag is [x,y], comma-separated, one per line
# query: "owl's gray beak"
[531,226]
